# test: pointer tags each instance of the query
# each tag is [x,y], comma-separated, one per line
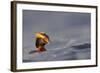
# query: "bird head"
[43,36]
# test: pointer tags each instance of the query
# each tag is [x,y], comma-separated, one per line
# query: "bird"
[41,40]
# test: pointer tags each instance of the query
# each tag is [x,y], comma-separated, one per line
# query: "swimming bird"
[41,40]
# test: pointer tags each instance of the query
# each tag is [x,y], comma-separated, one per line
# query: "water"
[68,52]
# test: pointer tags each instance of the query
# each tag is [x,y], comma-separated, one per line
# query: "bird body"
[41,40]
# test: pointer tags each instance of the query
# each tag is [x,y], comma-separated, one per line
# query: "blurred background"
[69,34]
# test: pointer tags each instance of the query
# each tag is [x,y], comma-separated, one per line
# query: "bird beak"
[46,40]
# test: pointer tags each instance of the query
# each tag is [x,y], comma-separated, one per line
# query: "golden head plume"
[43,36]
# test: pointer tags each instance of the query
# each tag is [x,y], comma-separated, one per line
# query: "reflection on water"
[75,52]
